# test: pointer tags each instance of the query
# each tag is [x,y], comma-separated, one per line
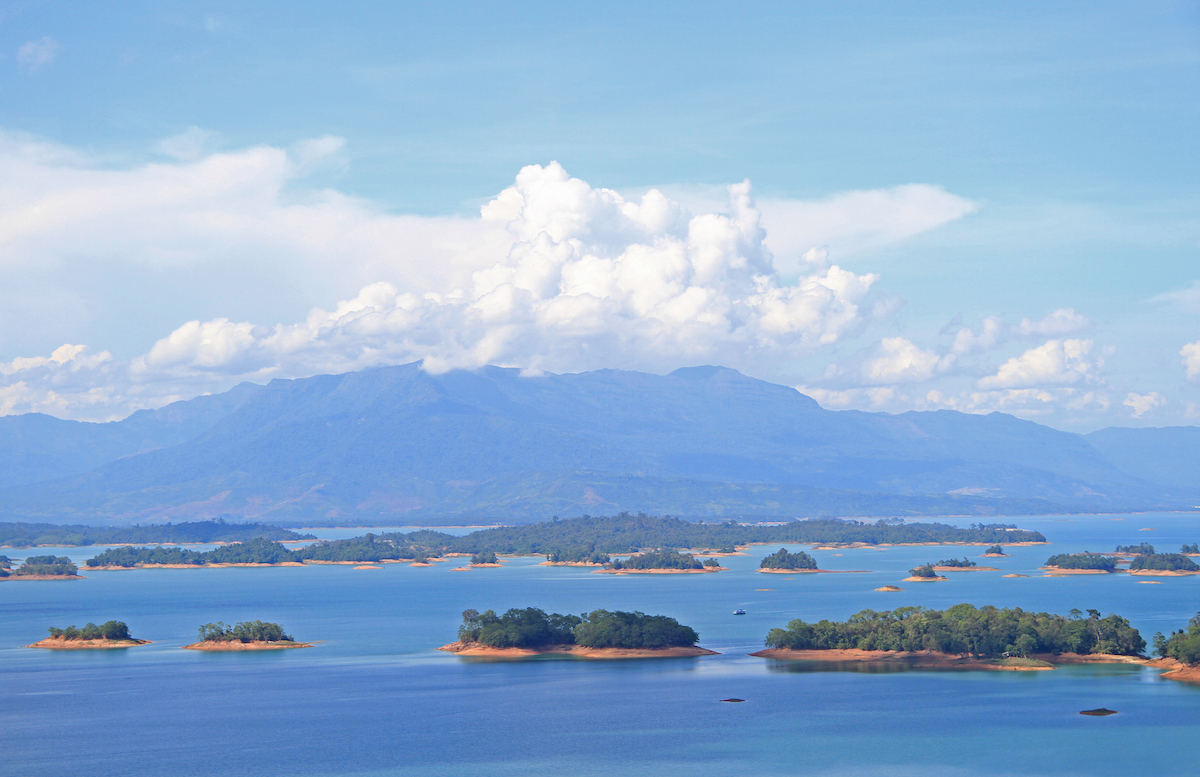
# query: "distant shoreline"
[223,647]
[475,650]
[936,660]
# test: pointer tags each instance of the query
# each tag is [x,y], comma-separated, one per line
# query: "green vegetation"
[1144,548]
[579,554]
[712,562]
[781,559]
[925,570]
[485,557]
[250,631]
[534,628]
[1193,549]
[6,562]
[109,630]
[956,563]
[658,559]
[1082,561]
[1174,562]
[995,550]
[1181,645]
[369,547]
[27,535]
[47,565]
[985,632]
[256,551]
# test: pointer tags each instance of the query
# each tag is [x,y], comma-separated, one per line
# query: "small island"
[1080,564]
[995,551]
[106,636]
[1142,549]
[485,558]
[661,562]
[251,635]
[1190,550]
[923,574]
[577,556]
[40,568]
[1164,565]
[599,634]
[257,552]
[960,565]
[961,637]
[783,562]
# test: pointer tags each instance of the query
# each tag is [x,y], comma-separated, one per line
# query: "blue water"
[374,698]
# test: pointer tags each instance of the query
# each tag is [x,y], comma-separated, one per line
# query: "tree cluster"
[1176,562]
[537,629]
[47,565]
[1193,549]
[1182,645]
[250,631]
[485,557]
[255,551]
[1144,548]
[781,559]
[1082,561]
[107,630]
[579,554]
[957,563]
[658,559]
[925,570]
[965,630]
[369,547]
[995,550]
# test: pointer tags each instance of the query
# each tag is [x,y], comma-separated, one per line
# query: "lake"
[375,698]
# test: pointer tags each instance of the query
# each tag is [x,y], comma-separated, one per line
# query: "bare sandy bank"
[660,571]
[1176,670]
[1057,571]
[475,650]
[889,588]
[367,566]
[114,568]
[995,555]
[570,564]
[856,545]
[922,660]
[351,563]
[937,579]
[58,643]
[773,571]
[965,569]
[223,647]
[1014,575]
[1162,572]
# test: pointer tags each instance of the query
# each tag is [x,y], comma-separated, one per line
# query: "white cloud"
[991,334]
[187,146]
[580,278]
[36,54]
[1187,299]
[1143,403]
[1057,362]
[897,360]
[1191,359]
[1063,321]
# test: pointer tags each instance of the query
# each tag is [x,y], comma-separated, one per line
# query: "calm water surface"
[374,698]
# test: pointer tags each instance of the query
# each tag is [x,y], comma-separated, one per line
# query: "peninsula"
[106,636]
[599,634]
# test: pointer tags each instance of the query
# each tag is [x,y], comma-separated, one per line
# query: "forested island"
[39,568]
[783,561]
[255,551]
[111,634]
[995,550]
[962,636]
[1086,562]
[598,634]
[250,635]
[581,555]
[1163,563]
[1144,548]
[923,573]
[28,535]
[663,561]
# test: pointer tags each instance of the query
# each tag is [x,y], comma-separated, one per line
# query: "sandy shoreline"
[935,660]
[224,647]
[115,568]
[475,650]
[965,569]
[569,564]
[659,571]
[1058,571]
[58,643]
[15,576]
[775,571]
[1163,572]
[938,579]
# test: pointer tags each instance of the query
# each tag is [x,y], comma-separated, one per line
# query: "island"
[1164,565]
[577,556]
[661,562]
[40,568]
[1190,550]
[1142,549]
[995,551]
[1080,564]
[923,574]
[599,634]
[106,636]
[783,562]
[252,553]
[960,565]
[30,535]
[251,635]
[960,637]
[485,558]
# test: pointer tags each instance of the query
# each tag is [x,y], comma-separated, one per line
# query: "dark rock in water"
[1099,711]
[733,700]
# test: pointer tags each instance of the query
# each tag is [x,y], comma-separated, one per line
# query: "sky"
[889,206]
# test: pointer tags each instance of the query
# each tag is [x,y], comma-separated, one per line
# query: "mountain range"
[398,445]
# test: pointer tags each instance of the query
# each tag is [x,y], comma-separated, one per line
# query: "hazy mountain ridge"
[396,441]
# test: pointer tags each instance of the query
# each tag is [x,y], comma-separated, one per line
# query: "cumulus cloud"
[1063,321]
[1057,362]
[1191,359]
[967,342]
[898,360]
[36,54]
[1143,403]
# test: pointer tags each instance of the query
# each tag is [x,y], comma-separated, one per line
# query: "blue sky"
[257,161]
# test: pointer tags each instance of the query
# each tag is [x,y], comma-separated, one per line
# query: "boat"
[739,612]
